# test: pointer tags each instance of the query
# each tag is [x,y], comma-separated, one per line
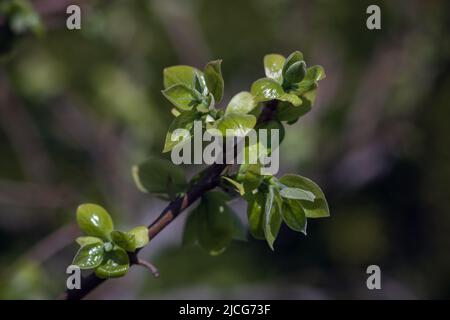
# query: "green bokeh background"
[79,108]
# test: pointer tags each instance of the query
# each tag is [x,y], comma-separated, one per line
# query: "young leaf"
[94,221]
[255,216]
[181,75]
[215,223]
[273,66]
[295,73]
[293,99]
[238,124]
[250,175]
[140,236]
[82,241]
[243,102]
[287,112]
[294,57]
[266,89]
[159,176]
[124,240]
[237,186]
[316,209]
[272,218]
[297,194]
[294,215]
[184,121]
[200,83]
[89,256]
[181,96]
[115,264]
[214,80]
[309,82]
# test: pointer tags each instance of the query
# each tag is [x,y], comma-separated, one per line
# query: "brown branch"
[209,180]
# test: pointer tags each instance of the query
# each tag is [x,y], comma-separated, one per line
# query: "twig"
[147,265]
[209,180]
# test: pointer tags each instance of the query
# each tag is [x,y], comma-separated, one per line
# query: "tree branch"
[208,181]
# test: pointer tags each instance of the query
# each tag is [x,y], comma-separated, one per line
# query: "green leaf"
[181,96]
[237,186]
[287,112]
[295,73]
[309,82]
[315,73]
[184,121]
[273,66]
[266,89]
[124,240]
[94,221]
[294,57]
[243,102]
[298,194]
[294,215]
[215,223]
[316,209]
[200,84]
[115,264]
[250,175]
[214,80]
[181,75]
[239,124]
[140,236]
[272,218]
[89,256]
[293,99]
[159,176]
[255,216]
[82,241]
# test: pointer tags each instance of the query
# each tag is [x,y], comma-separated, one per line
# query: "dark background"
[79,108]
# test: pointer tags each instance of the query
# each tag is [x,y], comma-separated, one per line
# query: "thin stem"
[209,180]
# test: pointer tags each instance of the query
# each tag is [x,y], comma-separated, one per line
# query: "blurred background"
[79,108]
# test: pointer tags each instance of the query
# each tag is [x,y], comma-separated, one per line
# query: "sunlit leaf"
[214,80]
[82,241]
[181,96]
[94,220]
[124,240]
[115,264]
[273,66]
[266,89]
[237,124]
[243,102]
[140,236]
[296,193]
[89,256]
[181,75]
[313,209]
[272,217]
